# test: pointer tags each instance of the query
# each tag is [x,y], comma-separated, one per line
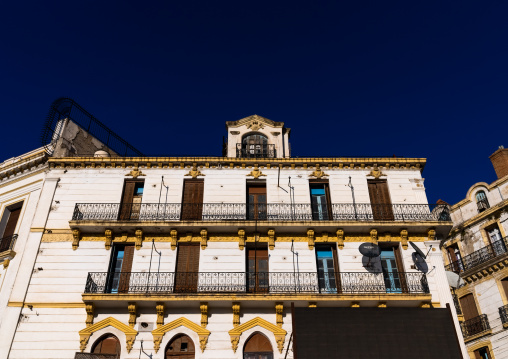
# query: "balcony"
[174,212]
[477,258]
[475,327]
[95,356]
[6,247]
[255,151]
[503,314]
[241,283]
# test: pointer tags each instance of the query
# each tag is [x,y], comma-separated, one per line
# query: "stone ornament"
[318,173]
[130,333]
[256,173]
[135,173]
[376,173]
[194,172]
[279,333]
[158,333]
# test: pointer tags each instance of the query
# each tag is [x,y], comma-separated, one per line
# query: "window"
[320,201]
[180,347]
[256,201]
[131,200]
[8,226]
[120,268]
[455,258]
[256,145]
[380,200]
[327,267]
[481,201]
[107,344]
[257,268]
[482,353]
[187,268]
[192,199]
[258,347]
[495,239]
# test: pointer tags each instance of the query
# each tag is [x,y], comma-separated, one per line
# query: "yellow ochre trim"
[46,305]
[279,333]
[130,333]
[158,333]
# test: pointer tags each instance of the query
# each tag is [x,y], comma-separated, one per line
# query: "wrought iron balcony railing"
[482,204]
[456,304]
[269,283]
[482,255]
[475,326]
[503,314]
[259,211]
[255,151]
[95,356]
[7,243]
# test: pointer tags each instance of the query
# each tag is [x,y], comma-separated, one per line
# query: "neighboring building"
[202,257]
[476,249]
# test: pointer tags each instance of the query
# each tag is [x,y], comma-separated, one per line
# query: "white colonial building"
[477,250]
[203,257]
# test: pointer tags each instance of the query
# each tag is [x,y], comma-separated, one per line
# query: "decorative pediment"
[279,333]
[254,122]
[158,333]
[130,333]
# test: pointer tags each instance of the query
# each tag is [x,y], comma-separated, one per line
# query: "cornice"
[479,217]
[249,119]
[28,165]
[346,163]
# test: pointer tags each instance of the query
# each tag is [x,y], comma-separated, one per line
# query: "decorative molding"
[139,238]
[312,304]
[76,236]
[241,238]
[310,238]
[130,333]
[158,333]
[108,233]
[431,234]
[271,238]
[279,333]
[403,238]
[236,314]
[373,235]
[355,304]
[203,307]
[279,311]
[382,305]
[204,238]
[318,173]
[6,263]
[135,173]
[89,307]
[376,173]
[255,125]
[159,308]
[174,238]
[256,172]
[132,314]
[340,238]
[194,172]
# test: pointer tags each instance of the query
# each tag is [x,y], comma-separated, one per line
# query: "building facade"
[476,249]
[203,257]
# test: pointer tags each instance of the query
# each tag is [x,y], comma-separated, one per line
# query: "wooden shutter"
[451,254]
[504,282]
[400,269]
[10,227]
[258,343]
[192,199]
[125,275]
[256,200]
[468,306]
[187,268]
[258,274]
[380,200]
[128,195]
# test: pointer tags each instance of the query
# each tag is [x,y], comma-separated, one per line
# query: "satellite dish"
[454,279]
[418,250]
[370,250]
[420,263]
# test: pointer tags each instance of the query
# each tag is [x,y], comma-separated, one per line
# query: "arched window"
[258,347]
[180,347]
[107,344]
[256,145]
[481,201]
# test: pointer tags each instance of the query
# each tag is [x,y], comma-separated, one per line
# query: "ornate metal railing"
[270,283]
[268,212]
[255,151]
[7,243]
[475,326]
[482,205]
[456,304]
[503,314]
[482,255]
[95,356]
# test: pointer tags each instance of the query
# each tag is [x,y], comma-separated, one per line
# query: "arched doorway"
[258,347]
[180,347]
[107,344]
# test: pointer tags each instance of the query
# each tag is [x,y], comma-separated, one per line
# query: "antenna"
[150,267]
[160,193]
[297,278]
[350,185]
[142,351]
[291,198]
[278,182]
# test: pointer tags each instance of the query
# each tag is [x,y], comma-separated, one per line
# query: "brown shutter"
[125,275]
[258,343]
[336,269]
[400,269]
[128,195]
[504,282]
[468,306]
[187,268]
[192,199]
[10,227]
[451,254]
[380,200]
[256,200]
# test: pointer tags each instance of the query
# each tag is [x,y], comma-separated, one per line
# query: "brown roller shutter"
[468,306]
[127,198]
[10,227]
[128,256]
[380,200]
[192,199]
[187,269]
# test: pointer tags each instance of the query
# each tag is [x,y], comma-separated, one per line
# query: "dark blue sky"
[351,78]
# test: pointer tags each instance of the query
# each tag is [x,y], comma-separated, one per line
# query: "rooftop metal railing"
[263,212]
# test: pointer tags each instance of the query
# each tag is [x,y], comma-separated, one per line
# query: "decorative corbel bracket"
[174,238]
[6,263]
[203,307]
[241,239]
[132,314]
[340,238]
[139,238]
[108,233]
[159,308]
[373,235]
[271,238]
[89,307]
[403,238]
[279,311]
[76,236]
[204,238]
[431,234]
[310,238]
[236,314]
